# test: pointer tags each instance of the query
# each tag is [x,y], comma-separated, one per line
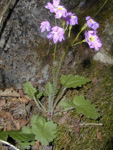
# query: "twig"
[101,8]
[7,143]
[90,124]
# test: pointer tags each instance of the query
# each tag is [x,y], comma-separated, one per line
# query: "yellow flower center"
[73,16]
[60,8]
[91,39]
[91,20]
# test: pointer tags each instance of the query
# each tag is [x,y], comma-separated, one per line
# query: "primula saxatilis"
[71,19]
[55,93]
[59,10]
[53,6]
[93,40]
[57,34]
[45,25]
[91,23]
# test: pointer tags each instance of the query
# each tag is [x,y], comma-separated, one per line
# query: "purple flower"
[56,3]
[45,25]
[54,6]
[57,34]
[60,11]
[93,40]
[71,19]
[91,23]
[50,7]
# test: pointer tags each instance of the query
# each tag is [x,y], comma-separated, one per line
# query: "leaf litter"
[15,109]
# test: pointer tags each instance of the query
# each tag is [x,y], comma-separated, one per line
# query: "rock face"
[24,49]
[20,55]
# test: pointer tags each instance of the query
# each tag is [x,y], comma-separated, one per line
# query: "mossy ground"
[100,92]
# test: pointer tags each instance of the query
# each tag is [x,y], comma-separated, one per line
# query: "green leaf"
[25,145]
[67,104]
[33,119]
[22,137]
[71,81]
[3,135]
[26,130]
[29,89]
[38,95]
[17,135]
[85,107]
[82,106]
[44,131]
[49,89]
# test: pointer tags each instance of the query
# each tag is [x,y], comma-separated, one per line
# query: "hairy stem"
[37,104]
[79,42]
[59,97]
[83,28]
[54,65]
[59,66]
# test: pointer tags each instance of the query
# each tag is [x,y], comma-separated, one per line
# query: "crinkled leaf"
[33,119]
[67,104]
[38,95]
[25,145]
[85,107]
[26,129]
[29,89]
[44,131]
[71,81]
[49,89]
[45,94]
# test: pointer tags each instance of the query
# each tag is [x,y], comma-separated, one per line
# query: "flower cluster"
[57,33]
[91,36]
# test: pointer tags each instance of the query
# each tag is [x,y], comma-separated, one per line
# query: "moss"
[100,92]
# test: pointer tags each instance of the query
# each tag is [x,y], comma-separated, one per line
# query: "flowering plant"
[82,106]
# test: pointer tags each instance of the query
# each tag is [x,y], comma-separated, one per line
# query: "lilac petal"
[45,25]
[55,38]
[56,3]
[93,40]
[92,23]
[43,29]
[50,7]
[60,11]
[57,34]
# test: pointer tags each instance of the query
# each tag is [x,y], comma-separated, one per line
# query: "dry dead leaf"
[2,103]
[7,117]
[9,92]
[20,99]
[9,125]
[24,99]
[99,135]
[36,145]
[64,119]
[22,122]
[14,99]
